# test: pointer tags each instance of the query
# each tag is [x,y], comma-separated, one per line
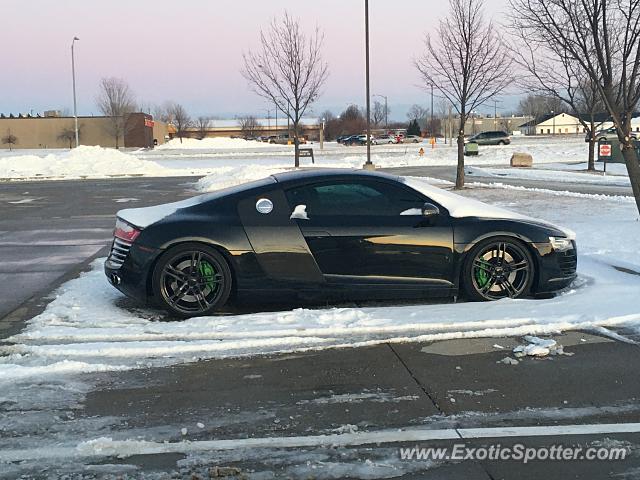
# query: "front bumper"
[557,269]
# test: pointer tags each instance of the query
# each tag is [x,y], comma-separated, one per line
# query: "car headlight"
[561,244]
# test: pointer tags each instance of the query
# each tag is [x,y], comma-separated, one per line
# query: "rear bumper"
[133,277]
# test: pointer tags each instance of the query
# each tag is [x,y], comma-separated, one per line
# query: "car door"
[373,232]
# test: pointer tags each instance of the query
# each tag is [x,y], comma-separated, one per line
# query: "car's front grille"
[568,262]
[119,252]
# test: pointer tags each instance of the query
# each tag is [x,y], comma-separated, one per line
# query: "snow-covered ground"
[558,172]
[225,157]
[90,327]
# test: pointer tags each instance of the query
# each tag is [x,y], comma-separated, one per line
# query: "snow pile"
[231,176]
[214,143]
[80,162]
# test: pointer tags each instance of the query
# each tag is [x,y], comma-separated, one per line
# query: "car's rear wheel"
[192,280]
[497,268]
[501,142]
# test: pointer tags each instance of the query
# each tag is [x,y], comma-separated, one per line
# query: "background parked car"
[355,140]
[608,134]
[491,138]
[382,139]
[412,139]
[284,139]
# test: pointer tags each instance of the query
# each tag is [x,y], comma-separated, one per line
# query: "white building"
[566,124]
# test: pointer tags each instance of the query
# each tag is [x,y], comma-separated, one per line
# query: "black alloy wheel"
[498,268]
[192,280]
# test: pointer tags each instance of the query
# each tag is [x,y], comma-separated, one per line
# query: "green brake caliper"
[482,276]
[208,274]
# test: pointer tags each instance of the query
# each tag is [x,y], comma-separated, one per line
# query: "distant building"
[510,124]
[310,128]
[567,124]
[53,131]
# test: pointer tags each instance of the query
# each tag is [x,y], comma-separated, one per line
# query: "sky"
[191,51]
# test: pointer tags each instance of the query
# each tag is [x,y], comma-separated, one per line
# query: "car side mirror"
[430,210]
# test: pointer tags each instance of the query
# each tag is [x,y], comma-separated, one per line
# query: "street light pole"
[431,126]
[368,164]
[75,103]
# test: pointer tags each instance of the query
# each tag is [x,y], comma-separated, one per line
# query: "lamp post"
[368,165]
[431,125]
[73,77]
[386,118]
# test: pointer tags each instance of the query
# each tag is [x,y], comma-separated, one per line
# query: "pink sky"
[191,51]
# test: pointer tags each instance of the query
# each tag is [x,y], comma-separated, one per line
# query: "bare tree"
[539,104]
[9,139]
[287,69]
[416,112]
[162,112]
[378,113]
[68,135]
[560,84]
[202,124]
[602,38]
[249,126]
[180,119]
[467,62]
[116,101]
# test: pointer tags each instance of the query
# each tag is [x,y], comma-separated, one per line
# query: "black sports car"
[333,234]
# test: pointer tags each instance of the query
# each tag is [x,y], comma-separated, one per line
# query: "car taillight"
[125,231]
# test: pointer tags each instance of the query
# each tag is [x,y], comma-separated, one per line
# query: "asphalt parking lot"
[50,230]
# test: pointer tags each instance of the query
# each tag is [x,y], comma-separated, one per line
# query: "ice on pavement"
[85,326]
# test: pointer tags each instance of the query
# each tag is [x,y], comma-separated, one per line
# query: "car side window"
[353,198]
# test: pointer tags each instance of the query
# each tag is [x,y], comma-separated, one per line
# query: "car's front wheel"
[497,268]
[192,280]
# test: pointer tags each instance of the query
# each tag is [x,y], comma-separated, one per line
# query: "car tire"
[191,279]
[498,267]
[501,142]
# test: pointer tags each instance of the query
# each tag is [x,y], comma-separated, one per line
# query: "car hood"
[461,207]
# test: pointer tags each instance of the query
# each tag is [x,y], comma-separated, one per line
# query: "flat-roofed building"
[55,131]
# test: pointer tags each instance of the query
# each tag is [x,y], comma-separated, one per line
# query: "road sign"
[605,150]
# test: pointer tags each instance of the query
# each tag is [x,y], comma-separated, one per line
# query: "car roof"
[305,174]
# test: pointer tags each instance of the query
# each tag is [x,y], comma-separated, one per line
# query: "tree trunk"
[296,142]
[460,169]
[591,164]
[633,168]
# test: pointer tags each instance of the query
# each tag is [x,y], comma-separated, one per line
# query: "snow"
[214,143]
[82,162]
[555,175]
[225,158]
[460,207]
[145,216]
